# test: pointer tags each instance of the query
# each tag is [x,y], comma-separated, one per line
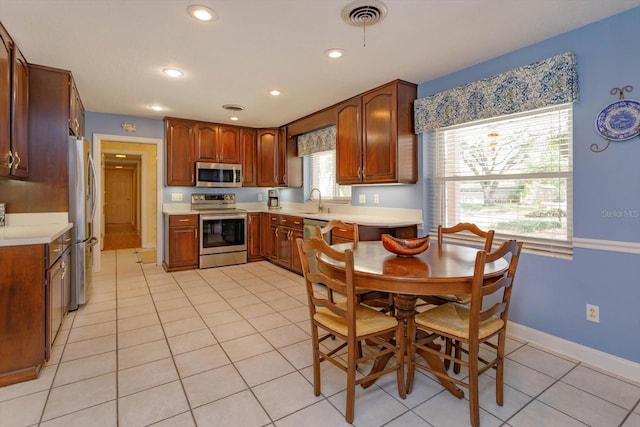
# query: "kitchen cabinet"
[14,125]
[182,242]
[181,140]
[249,158]
[267,234]
[375,142]
[217,143]
[278,163]
[254,237]
[281,244]
[268,155]
[22,304]
[57,287]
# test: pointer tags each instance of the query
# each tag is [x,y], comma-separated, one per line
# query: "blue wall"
[400,196]
[551,294]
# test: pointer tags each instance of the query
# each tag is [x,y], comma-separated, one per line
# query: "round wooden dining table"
[441,269]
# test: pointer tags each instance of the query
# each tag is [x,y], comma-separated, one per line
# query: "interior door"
[119,196]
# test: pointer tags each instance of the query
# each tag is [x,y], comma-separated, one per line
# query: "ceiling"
[117,49]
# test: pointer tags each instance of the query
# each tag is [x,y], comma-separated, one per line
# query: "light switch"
[376,199]
[362,198]
[176,197]
[259,197]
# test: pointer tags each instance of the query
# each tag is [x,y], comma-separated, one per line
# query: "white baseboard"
[596,358]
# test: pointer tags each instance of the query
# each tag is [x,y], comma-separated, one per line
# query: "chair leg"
[474,404]
[458,354]
[351,384]
[447,351]
[316,360]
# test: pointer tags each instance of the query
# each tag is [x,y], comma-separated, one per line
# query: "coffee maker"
[272,201]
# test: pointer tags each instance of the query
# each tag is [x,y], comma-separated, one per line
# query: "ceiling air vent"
[364,12]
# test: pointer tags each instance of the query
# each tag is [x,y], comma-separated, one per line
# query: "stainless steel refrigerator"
[82,209]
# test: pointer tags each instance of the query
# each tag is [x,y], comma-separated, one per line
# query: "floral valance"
[316,141]
[549,82]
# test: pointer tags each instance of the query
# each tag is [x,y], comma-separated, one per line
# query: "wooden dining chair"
[349,232]
[350,322]
[461,228]
[471,326]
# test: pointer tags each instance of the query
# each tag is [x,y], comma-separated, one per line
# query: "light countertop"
[373,217]
[33,229]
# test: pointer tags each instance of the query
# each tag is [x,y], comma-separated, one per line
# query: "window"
[512,174]
[322,175]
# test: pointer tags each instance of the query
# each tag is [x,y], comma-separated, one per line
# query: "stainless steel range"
[223,230]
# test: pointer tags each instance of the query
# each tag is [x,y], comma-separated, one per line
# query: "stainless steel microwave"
[218,174]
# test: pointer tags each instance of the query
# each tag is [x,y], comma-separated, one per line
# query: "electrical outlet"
[259,197]
[362,198]
[376,199]
[176,197]
[593,313]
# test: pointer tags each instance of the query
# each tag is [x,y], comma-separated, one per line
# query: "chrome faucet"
[320,207]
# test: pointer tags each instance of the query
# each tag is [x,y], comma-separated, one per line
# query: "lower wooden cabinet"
[181,242]
[281,248]
[254,237]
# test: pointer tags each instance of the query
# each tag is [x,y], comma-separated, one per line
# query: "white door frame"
[97,150]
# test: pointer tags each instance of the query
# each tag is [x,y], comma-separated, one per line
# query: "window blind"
[512,174]
[322,175]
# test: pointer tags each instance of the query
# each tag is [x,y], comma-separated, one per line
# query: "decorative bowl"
[405,247]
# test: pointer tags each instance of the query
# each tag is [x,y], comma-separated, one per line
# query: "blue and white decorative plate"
[619,120]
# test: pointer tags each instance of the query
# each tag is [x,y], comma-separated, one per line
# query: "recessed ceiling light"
[202,13]
[334,53]
[234,118]
[156,107]
[173,72]
[274,92]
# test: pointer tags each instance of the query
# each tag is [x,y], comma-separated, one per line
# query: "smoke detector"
[361,13]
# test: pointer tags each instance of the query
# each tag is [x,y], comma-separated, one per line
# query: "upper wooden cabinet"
[180,136]
[248,156]
[375,143]
[268,155]
[217,143]
[14,115]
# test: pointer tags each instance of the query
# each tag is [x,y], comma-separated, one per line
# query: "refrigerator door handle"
[94,188]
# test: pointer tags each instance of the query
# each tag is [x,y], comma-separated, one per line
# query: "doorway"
[122,201]
[147,218]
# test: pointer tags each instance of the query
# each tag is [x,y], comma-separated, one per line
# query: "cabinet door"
[267,157]
[66,281]
[183,246]
[20,115]
[55,281]
[248,145]
[180,137]
[253,238]
[284,246]
[229,144]
[296,263]
[6,155]
[281,163]
[206,142]
[379,135]
[349,142]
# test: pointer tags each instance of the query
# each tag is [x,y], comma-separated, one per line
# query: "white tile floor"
[230,347]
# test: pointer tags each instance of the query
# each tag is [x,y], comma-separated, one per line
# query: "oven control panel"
[213,201]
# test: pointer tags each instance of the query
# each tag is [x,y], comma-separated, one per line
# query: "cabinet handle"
[184,220]
[76,126]
[9,162]
[358,172]
[196,232]
[67,240]
[297,222]
[276,232]
[363,174]
[63,267]
[17,159]
[56,250]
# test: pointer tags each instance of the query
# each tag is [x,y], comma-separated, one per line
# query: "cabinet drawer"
[183,220]
[342,234]
[291,221]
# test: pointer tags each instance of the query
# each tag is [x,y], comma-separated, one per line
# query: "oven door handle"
[209,217]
